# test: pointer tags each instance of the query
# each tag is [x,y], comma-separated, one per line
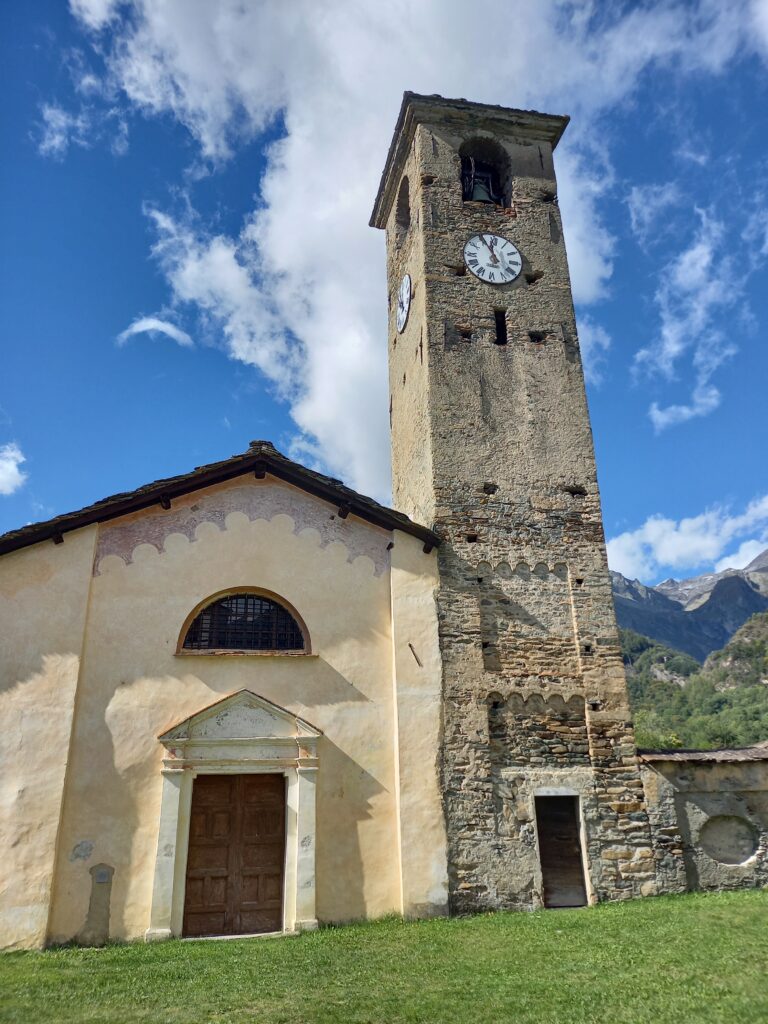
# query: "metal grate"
[244,622]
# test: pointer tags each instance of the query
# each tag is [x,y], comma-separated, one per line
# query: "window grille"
[244,622]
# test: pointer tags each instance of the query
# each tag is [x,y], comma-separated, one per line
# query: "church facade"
[248,699]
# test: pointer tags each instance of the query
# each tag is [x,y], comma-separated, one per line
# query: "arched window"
[244,622]
[485,172]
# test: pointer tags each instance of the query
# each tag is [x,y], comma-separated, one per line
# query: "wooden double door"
[236,857]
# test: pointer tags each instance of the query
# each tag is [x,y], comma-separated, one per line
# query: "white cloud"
[582,181]
[59,130]
[94,13]
[594,342]
[300,292]
[695,287]
[744,554]
[695,154]
[152,325]
[646,205]
[756,232]
[11,476]
[759,13]
[662,544]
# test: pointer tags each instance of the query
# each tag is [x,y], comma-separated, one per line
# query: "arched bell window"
[244,622]
[485,172]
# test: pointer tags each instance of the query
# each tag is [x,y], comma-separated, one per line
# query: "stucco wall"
[43,603]
[152,570]
[418,699]
[709,821]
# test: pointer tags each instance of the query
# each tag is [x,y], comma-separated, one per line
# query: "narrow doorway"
[562,867]
[236,857]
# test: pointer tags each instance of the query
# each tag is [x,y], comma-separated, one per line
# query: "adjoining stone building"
[249,699]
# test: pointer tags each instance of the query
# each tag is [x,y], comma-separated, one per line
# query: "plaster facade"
[101,774]
[43,612]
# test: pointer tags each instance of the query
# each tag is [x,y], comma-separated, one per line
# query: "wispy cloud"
[696,286]
[662,544]
[11,476]
[153,325]
[594,342]
[59,129]
[646,205]
[94,13]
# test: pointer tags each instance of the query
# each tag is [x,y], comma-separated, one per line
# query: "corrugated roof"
[261,459]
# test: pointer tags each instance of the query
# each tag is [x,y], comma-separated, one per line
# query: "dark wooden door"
[236,855]
[562,868]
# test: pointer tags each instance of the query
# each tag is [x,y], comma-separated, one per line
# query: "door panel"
[263,852]
[562,868]
[236,855]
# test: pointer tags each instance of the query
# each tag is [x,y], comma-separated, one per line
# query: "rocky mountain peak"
[697,615]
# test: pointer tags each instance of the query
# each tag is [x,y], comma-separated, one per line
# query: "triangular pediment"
[240,716]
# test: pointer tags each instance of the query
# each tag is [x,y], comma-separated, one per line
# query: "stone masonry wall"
[492,443]
[709,821]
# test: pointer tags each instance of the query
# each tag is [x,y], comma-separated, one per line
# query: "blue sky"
[187,265]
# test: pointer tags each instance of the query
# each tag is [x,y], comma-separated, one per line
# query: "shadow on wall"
[112,799]
[35,710]
[346,793]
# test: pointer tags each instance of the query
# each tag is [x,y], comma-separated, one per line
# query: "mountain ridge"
[697,615]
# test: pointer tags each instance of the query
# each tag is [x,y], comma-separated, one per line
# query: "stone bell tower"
[491,444]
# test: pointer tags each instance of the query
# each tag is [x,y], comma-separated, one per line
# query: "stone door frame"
[580,783]
[192,754]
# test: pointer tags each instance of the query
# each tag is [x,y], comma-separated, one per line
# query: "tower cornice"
[418,109]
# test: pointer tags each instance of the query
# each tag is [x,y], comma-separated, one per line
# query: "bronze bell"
[482,190]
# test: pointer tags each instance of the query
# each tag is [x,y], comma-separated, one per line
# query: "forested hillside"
[677,702]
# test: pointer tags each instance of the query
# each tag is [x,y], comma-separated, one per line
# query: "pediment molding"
[242,718]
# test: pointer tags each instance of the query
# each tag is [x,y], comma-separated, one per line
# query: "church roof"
[262,459]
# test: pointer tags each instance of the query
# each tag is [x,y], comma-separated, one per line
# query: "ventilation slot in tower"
[500,317]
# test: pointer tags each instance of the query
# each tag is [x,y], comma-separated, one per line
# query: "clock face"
[492,258]
[403,302]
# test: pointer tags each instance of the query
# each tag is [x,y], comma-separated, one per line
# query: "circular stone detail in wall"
[728,839]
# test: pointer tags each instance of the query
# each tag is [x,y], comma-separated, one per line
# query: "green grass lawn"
[678,959]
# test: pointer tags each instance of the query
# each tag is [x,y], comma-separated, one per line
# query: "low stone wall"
[709,817]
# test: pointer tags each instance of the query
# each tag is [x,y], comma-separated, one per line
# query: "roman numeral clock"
[492,258]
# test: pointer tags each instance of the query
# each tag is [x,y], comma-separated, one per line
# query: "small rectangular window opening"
[500,316]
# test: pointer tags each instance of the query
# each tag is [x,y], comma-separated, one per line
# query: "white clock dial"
[403,302]
[492,258]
